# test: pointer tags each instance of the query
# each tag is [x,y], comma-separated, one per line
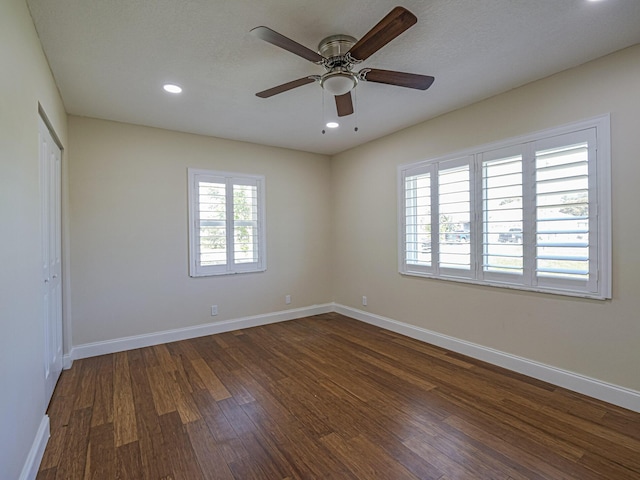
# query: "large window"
[226,223]
[530,213]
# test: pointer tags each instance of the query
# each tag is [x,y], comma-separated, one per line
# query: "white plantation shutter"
[417,213]
[454,218]
[210,221]
[566,228]
[436,209]
[531,214]
[246,223]
[226,213]
[502,215]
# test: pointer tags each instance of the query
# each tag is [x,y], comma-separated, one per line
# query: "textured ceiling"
[110,59]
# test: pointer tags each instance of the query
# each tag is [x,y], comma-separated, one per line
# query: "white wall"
[25,81]
[598,339]
[128,221]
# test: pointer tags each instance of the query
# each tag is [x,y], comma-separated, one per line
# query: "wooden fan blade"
[344,105]
[285,87]
[400,79]
[397,21]
[279,40]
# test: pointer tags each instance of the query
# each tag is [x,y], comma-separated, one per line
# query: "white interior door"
[51,200]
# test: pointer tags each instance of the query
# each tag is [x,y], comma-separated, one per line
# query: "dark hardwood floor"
[325,397]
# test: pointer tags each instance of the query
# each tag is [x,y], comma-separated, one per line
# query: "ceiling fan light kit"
[339,53]
[338,83]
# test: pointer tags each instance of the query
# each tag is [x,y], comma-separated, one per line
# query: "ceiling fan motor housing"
[335,45]
[339,79]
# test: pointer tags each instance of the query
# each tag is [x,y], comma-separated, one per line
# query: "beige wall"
[128,211]
[25,81]
[599,339]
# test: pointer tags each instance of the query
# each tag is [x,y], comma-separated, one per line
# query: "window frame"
[230,179]
[599,191]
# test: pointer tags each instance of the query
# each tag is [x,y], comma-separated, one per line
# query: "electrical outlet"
[287,299]
[214,310]
[364,301]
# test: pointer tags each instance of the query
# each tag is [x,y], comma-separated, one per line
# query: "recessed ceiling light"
[333,125]
[171,88]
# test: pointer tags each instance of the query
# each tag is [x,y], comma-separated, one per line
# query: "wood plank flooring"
[325,397]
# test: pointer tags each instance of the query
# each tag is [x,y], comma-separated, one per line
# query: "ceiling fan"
[339,53]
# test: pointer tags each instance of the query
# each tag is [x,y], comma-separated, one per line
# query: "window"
[226,223]
[530,213]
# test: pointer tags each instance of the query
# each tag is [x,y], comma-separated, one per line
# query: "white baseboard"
[31,465]
[67,361]
[607,392]
[138,341]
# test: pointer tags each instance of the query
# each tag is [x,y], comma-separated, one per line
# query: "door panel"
[51,224]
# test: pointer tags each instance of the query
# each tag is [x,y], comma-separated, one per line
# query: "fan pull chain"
[355,100]
[323,130]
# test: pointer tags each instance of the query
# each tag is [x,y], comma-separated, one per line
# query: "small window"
[226,223]
[530,213]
